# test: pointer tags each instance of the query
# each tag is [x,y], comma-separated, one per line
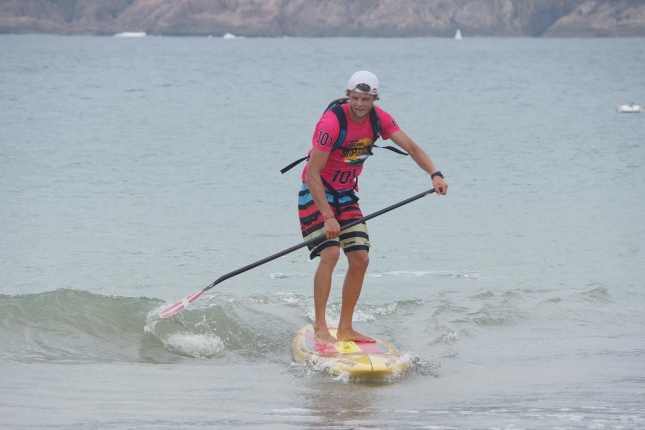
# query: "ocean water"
[134,172]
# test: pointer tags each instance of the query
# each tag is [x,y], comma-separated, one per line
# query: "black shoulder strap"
[342,122]
[376,124]
[340,101]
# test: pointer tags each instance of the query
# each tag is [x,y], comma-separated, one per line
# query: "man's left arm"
[421,158]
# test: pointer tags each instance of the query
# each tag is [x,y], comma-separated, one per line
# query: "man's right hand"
[332,228]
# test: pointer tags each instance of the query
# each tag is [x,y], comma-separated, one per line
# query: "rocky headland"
[327,18]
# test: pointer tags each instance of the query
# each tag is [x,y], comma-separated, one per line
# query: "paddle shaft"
[317,239]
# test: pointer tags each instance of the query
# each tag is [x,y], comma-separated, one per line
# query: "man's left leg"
[358,262]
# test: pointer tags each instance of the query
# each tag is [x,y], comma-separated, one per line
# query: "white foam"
[363,313]
[323,366]
[281,275]
[290,298]
[342,377]
[362,316]
[386,310]
[291,411]
[422,273]
[195,345]
[411,274]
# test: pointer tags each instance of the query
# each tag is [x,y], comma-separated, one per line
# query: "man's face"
[360,104]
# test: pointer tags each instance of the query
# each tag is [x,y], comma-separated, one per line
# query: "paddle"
[183,303]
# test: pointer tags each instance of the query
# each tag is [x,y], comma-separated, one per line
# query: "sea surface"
[135,171]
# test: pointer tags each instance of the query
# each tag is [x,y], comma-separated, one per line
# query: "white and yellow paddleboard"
[362,359]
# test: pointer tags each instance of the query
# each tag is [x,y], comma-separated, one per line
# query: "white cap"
[364,77]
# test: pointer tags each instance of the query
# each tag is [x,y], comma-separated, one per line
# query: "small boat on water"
[458,35]
[131,34]
[629,108]
[230,36]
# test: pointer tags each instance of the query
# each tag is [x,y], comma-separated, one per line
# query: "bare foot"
[353,335]
[323,336]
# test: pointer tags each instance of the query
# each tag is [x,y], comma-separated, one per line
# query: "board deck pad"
[364,359]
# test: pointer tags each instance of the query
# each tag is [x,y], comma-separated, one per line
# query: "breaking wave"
[68,325]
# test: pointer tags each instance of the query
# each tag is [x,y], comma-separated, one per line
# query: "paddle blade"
[180,305]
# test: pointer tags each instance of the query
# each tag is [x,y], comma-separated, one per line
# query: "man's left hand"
[440,186]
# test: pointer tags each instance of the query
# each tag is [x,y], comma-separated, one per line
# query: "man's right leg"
[322,287]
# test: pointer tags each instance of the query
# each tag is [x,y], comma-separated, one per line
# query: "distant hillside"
[318,18]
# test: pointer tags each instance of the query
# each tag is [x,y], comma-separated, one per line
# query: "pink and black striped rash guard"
[345,164]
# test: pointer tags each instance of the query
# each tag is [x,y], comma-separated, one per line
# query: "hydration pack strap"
[337,108]
[337,196]
[300,160]
[294,164]
[391,148]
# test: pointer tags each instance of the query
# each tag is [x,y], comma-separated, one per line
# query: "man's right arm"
[317,161]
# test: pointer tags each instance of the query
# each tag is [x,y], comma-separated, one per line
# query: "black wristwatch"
[437,173]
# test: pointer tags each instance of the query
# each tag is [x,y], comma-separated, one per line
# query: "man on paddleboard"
[327,199]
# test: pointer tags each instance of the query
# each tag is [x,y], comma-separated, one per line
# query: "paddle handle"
[317,239]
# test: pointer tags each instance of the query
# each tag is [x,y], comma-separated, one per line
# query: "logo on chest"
[357,152]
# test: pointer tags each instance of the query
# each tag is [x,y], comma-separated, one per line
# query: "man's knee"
[330,255]
[358,259]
